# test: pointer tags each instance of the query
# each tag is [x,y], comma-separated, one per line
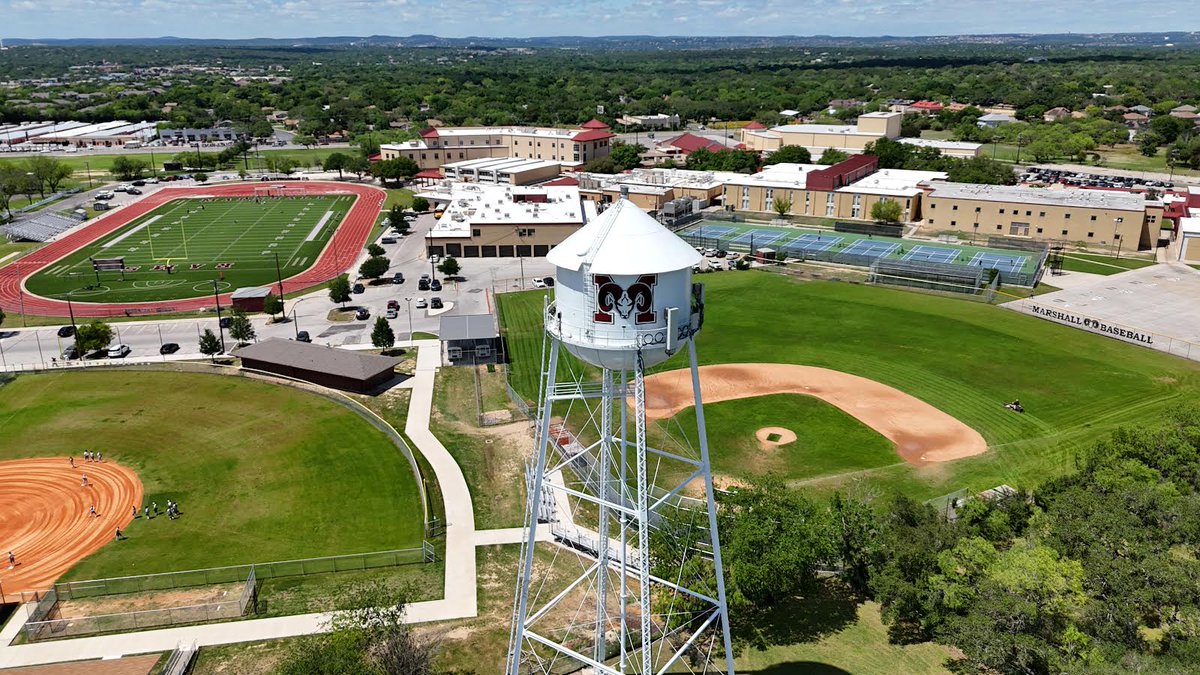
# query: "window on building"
[976,209]
[932,205]
[770,194]
[1041,214]
[931,221]
[1117,237]
[1001,210]
[807,199]
[954,208]
[1029,213]
[856,207]
[745,203]
[1039,230]
[1093,218]
[1091,235]
[1066,216]
[829,204]
[999,227]
[476,233]
[1064,233]
[954,223]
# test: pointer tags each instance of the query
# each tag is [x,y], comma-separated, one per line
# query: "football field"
[180,248]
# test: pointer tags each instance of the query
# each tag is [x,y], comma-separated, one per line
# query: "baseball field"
[180,248]
[964,359]
[260,472]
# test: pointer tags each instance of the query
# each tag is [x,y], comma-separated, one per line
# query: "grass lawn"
[196,237]
[1102,264]
[20,248]
[827,439]
[965,358]
[261,472]
[400,196]
[99,165]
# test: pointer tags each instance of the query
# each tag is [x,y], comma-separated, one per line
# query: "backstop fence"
[882,229]
[927,275]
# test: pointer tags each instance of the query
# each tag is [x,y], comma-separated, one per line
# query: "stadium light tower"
[624,302]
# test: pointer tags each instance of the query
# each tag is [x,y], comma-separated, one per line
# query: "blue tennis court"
[717,231]
[813,243]
[922,253]
[871,249]
[999,261]
[758,238]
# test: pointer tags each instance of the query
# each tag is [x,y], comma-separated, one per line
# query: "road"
[30,347]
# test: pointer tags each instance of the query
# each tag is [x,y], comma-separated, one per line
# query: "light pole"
[88,166]
[1019,137]
[198,167]
[71,310]
[220,328]
[411,341]
[296,316]
[1116,236]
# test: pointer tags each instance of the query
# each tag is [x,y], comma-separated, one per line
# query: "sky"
[530,18]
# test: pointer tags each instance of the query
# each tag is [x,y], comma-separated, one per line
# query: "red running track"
[339,253]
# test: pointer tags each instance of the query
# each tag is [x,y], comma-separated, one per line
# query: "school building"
[849,138]
[569,147]
[651,189]
[490,221]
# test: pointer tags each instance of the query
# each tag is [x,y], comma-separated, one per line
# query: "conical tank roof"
[624,240]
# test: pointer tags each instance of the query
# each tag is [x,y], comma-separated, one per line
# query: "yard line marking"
[320,224]
[139,228]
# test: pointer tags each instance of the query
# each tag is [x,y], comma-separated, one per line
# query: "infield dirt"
[47,523]
[921,432]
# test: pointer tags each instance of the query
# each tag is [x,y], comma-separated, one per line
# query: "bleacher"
[39,227]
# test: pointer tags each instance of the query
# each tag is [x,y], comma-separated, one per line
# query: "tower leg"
[603,476]
[706,467]
[535,500]
[643,508]
[622,446]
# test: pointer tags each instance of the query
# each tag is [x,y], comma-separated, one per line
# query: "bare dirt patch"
[921,432]
[136,602]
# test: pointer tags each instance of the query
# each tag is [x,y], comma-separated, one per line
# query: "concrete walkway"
[460,602]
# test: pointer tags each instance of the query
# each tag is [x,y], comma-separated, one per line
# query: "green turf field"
[1102,264]
[261,472]
[965,358]
[231,240]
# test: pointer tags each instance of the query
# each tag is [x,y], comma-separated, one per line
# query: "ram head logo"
[636,301]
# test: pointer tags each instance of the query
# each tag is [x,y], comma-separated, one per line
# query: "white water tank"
[624,286]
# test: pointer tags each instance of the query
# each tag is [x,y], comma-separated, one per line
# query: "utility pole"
[220,328]
[279,275]
[71,310]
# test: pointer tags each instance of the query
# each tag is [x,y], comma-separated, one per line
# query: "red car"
[393,304]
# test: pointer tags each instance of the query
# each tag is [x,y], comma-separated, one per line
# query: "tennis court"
[870,249]
[922,253]
[756,238]
[812,243]
[713,230]
[999,261]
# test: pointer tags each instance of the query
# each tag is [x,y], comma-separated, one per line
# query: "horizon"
[523,19]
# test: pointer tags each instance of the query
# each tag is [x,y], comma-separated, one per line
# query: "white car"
[543,282]
[123,187]
[118,351]
[422,303]
[434,258]
[152,181]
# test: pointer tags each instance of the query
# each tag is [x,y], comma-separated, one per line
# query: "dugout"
[470,338]
[251,298]
[326,366]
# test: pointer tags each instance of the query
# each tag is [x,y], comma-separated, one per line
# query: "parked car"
[398,278]
[225,321]
[104,195]
[66,331]
[434,258]
[118,351]
[70,353]
[393,304]
[168,348]
[121,188]
[721,253]
[139,183]
[388,240]
[101,206]
[152,181]
[133,191]
[435,285]
[435,303]
[303,336]
[392,313]
[421,303]
[362,314]
[543,282]
[359,288]
[423,285]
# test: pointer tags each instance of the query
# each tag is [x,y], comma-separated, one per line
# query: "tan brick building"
[440,146]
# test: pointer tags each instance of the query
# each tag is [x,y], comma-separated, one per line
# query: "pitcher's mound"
[772,437]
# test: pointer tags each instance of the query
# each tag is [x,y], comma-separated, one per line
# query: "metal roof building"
[326,366]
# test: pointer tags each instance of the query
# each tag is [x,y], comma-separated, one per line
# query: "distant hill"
[642,42]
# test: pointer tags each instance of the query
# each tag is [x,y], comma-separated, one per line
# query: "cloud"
[524,18]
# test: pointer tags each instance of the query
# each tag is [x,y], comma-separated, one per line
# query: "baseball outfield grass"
[965,358]
[261,472]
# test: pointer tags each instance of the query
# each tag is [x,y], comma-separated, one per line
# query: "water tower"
[624,302]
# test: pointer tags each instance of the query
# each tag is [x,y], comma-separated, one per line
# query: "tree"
[2,315]
[129,168]
[382,336]
[200,176]
[449,266]
[886,211]
[359,166]
[781,206]
[420,204]
[374,250]
[793,154]
[48,172]
[892,154]
[626,155]
[92,336]
[397,220]
[374,267]
[12,179]
[602,165]
[240,328]
[210,344]
[307,140]
[832,156]
[339,289]
[336,161]
[260,128]
[273,304]
[394,169]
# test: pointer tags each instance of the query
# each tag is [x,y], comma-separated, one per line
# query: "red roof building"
[594,124]
[567,181]
[754,126]
[429,132]
[592,135]
[927,107]
[689,143]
